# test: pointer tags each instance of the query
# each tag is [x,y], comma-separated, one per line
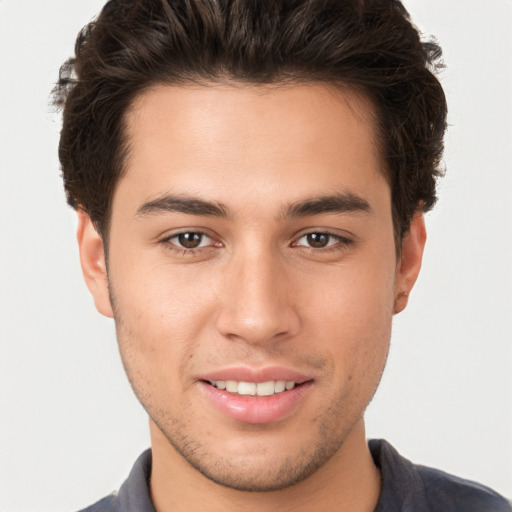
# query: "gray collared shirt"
[406,487]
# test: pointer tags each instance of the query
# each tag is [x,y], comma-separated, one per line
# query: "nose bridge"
[256,299]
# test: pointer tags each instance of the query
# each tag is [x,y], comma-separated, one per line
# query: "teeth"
[252,388]
[246,388]
[281,386]
[265,388]
[232,386]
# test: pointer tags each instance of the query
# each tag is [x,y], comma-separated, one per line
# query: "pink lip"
[256,409]
[246,374]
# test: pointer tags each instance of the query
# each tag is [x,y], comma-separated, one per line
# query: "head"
[368,46]
[258,174]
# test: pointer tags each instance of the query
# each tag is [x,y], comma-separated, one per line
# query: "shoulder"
[134,495]
[108,504]
[448,492]
[410,487]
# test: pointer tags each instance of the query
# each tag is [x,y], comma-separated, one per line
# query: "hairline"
[370,111]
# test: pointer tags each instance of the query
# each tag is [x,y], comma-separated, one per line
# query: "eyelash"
[341,243]
[175,248]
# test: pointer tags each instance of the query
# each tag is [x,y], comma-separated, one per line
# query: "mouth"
[256,396]
[269,388]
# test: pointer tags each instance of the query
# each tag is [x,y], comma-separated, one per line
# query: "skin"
[255,293]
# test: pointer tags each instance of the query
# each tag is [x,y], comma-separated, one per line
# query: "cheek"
[356,298]
[160,295]
[350,315]
[160,313]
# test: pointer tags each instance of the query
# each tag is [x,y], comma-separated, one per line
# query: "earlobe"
[409,263]
[92,259]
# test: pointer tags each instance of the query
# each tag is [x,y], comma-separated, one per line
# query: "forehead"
[232,141]
[214,111]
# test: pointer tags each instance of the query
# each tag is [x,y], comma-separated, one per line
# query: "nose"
[257,300]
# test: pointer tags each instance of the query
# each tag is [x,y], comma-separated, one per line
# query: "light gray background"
[70,427]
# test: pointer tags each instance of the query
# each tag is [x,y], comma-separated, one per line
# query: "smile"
[268,388]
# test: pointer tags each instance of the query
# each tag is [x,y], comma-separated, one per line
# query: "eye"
[190,240]
[320,240]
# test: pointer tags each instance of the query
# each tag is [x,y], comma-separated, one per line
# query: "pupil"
[190,240]
[317,240]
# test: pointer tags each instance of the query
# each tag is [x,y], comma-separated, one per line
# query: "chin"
[257,463]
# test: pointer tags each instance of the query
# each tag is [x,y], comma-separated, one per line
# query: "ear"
[409,263]
[92,259]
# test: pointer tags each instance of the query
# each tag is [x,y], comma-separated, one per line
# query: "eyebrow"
[345,202]
[182,204]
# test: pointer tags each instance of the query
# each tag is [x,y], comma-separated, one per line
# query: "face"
[252,274]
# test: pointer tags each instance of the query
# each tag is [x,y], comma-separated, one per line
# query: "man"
[250,179]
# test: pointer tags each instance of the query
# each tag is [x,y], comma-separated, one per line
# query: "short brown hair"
[370,45]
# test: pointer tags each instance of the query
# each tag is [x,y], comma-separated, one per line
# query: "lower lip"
[257,409]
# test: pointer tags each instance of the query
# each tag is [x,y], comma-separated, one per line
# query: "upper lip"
[247,374]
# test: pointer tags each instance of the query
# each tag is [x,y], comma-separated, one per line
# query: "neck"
[349,481]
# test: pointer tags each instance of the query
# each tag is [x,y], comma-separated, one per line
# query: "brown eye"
[189,240]
[318,240]
[190,243]
[322,240]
